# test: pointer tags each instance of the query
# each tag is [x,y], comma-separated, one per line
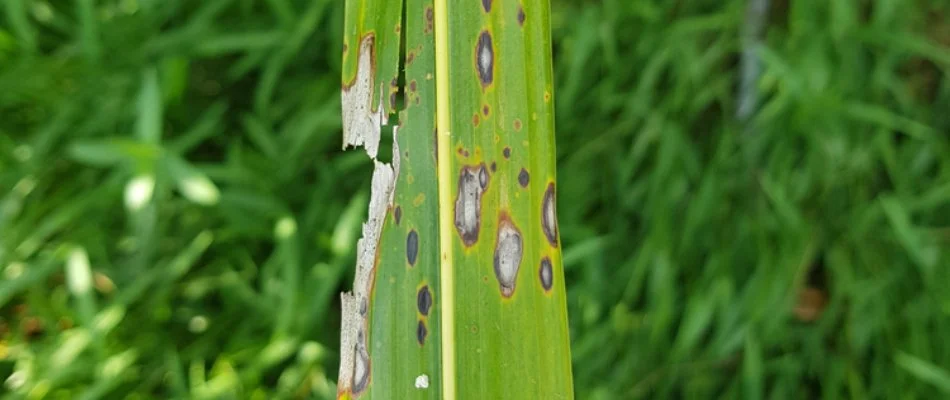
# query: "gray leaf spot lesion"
[361,369]
[508,253]
[412,247]
[549,216]
[483,177]
[523,178]
[473,181]
[485,59]
[424,300]
[421,332]
[546,274]
[361,123]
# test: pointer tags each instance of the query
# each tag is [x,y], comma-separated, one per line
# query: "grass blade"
[459,271]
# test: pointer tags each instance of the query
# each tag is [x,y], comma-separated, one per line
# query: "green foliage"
[687,238]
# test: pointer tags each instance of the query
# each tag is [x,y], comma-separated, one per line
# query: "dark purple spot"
[486,4]
[485,59]
[506,152]
[520,15]
[412,85]
[485,109]
[523,178]
[493,166]
[397,214]
[421,333]
[424,300]
[546,274]
[412,247]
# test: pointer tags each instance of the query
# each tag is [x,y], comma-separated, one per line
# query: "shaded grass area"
[800,255]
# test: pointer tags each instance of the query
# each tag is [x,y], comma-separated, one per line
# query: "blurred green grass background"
[797,254]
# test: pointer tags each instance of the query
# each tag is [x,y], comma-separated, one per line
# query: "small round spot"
[485,59]
[547,96]
[520,15]
[485,109]
[421,332]
[549,215]
[486,5]
[412,85]
[517,125]
[412,247]
[523,178]
[410,57]
[397,214]
[546,274]
[493,166]
[506,152]
[508,251]
[475,119]
[424,300]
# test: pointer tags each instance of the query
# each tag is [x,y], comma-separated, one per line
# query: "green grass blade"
[510,304]
[397,259]
[459,289]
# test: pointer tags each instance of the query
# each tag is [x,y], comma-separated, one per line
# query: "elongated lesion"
[361,123]
[361,127]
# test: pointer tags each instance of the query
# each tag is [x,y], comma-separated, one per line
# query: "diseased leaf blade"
[460,262]
[511,333]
